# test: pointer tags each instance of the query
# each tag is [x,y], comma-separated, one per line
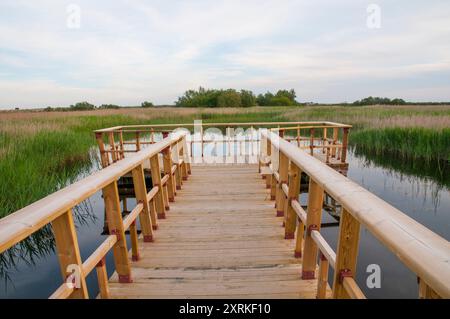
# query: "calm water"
[422,198]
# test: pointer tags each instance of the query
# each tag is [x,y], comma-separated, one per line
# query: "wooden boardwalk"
[221,239]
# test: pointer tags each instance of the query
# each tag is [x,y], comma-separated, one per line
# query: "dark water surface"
[425,199]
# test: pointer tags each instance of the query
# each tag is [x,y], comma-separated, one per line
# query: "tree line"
[233,98]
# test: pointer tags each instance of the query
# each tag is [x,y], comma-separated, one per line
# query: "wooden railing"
[421,250]
[313,135]
[56,209]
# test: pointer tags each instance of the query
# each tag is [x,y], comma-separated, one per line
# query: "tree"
[147,104]
[247,98]
[264,100]
[229,98]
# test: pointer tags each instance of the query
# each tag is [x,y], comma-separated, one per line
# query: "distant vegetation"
[147,104]
[218,98]
[379,101]
[233,98]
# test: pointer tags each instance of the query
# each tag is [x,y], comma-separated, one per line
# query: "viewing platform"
[218,214]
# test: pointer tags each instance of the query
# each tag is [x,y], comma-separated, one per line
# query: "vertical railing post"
[138,141]
[294,191]
[167,166]
[187,158]
[344,145]
[425,291]
[347,252]
[324,139]
[313,220]
[283,174]
[115,226]
[102,278]
[140,191]
[262,151]
[335,139]
[322,282]
[298,136]
[104,158]
[122,148]
[178,174]
[275,165]
[184,170]
[311,141]
[112,146]
[68,251]
[156,179]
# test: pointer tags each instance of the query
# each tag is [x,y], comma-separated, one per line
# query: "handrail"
[326,123]
[421,250]
[56,209]
[21,224]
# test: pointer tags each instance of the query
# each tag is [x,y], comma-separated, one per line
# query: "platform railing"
[115,142]
[56,209]
[421,250]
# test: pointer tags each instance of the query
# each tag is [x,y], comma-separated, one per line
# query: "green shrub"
[147,104]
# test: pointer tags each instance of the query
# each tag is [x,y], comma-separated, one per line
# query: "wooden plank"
[220,241]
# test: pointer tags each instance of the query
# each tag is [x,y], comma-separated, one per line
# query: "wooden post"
[112,146]
[313,220]
[294,191]
[68,252]
[166,197]
[134,242]
[101,146]
[335,139]
[140,191]
[311,141]
[324,138]
[102,278]
[344,145]
[299,239]
[298,136]
[184,171]
[115,225]
[178,176]
[347,252]
[138,141]
[122,148]
[167,166]
[322,281]
[273,188]
[156,179]
[187,159]
[283,171]
[425,291]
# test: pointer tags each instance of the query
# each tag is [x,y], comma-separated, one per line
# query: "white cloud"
[127,51]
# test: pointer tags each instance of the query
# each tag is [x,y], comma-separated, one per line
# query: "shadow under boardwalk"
[221,239]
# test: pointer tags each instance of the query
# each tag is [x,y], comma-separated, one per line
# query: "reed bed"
[42,151]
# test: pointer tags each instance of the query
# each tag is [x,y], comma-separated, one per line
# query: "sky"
[57,53]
